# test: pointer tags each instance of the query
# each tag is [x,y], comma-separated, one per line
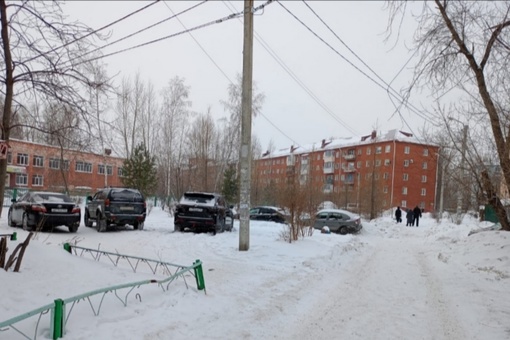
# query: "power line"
[217,21]
[223,72]
[343,57]
[142,30]
[366,65]
[289,71]
[94,31]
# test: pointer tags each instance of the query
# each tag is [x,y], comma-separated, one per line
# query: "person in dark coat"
[410,217]
[398,215]
[417,215]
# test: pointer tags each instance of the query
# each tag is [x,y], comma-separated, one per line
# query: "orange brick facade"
[36,166]
[394,170]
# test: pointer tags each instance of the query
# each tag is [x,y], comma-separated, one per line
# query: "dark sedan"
[43,211]
[266,213]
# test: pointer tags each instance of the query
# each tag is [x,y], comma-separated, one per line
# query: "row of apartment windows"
[22,180]
[331,153]
[350,165]
[55,163]
[349,178]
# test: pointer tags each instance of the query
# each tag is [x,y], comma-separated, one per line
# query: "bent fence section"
[61,309]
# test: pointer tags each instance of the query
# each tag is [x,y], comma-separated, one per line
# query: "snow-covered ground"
[388,282]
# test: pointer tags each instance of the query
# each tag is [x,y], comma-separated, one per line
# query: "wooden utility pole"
[245,152]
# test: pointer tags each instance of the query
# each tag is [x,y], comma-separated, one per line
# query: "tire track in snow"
[380,292]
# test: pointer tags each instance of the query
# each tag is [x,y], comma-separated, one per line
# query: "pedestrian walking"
[409,217]
[398,215]
[417,215]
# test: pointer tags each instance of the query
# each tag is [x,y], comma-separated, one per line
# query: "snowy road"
[391,288]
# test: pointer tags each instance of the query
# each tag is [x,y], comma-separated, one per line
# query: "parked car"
[202,211]
[338,220]
[115,206]
[266,213]
[39,210]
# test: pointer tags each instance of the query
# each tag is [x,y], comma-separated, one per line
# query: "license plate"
[127,208]
[195,209]
[59,210]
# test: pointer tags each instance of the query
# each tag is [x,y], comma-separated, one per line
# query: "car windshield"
[194,198]
[57,198]
[126,195]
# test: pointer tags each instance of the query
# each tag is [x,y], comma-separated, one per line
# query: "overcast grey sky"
[323,96]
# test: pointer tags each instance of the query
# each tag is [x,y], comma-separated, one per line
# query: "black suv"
[119,206]
[202,211]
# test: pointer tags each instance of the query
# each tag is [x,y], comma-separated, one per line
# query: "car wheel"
[138,225]
[74,227]
[342,230]
[178,228]
[101,223]
[9,219]
[24,222]
[87,220]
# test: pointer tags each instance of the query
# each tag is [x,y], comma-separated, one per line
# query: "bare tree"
[464,45]
[41,59]
[173,117]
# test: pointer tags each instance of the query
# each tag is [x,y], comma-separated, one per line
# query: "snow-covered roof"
[344,142]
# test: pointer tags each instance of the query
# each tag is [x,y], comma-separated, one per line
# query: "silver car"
[338,220]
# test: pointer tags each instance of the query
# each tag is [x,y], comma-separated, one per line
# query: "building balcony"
[349,169]
[328,170]
[349,156]
[328,188]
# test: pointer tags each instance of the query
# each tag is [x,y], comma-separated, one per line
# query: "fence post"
[199,275]
[67,247]
[58,319]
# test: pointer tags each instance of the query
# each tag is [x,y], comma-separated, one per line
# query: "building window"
[406,163]
[424,165]
[38,161]
[120,172]
[9,157]
[367,164]
[425,152]
[387,162]
[407,150]
[37,180]
[360,151]
[55,164]
[406,177]
[387,149]
[369,150]
[318,156]
[376,176]
[328,153]
[377,162]
[386,175]
[328,165]
[378,149]
[404,190]
[100,169]
[22,180]
[358,164]
[424,179]
[385,190]
[22,159]
[404,204]
[83,167]
[424,192]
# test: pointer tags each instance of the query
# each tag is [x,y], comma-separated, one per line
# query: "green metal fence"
[60,313]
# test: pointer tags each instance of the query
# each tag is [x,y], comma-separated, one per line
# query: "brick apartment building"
[35,166]
[391,169]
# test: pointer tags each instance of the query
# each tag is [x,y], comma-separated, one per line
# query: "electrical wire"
[289,71]
[345,59]
[94,31]
[141,30]
[224,73]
